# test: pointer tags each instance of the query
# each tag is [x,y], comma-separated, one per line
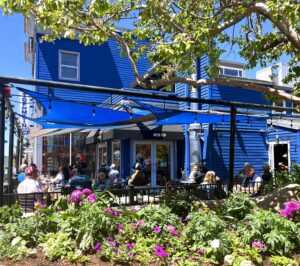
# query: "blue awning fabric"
[59,113]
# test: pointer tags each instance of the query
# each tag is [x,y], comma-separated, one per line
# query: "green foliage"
[180,203]
[203,227]
[282,261]
[238,205]
[281,236]
[10,214]
[291,177]
[14,248]
[58,245]
[177,32]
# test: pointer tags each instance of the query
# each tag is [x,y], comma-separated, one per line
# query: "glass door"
[163,162]
[157,159]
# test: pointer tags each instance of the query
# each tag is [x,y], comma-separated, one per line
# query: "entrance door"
[157,159]
[279,156]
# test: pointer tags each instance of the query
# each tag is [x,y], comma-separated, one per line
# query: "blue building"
[166,150]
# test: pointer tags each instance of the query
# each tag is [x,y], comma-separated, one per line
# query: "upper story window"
[232,72]
[279,104]
[69,65]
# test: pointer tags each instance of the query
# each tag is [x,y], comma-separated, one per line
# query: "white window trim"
[271,152]
[233,68]
[60,65]
[283,105]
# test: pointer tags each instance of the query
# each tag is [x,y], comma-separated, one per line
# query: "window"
[279,104]
[68,65]
[116,154]
[231,72]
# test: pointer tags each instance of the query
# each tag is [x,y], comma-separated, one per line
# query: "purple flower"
[259,245]
[130,254]
[200,251]
[109,238]
[86,192]
[185,219]
[92,198]
[112,244]
[129,245]
[108,210]
[173,231]
[157,229]
[160,252]
[290,209]
[69,201]
[76,196]
[97,247]
[116,251]
[120,228]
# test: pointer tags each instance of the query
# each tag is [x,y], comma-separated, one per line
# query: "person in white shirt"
[59,178]
[113,173]
[28,185]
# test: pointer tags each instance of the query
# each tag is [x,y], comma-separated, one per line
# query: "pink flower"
[120,228]
[173,231]
[290,209]
[38,205]
[138,224]
[160,252]
[92,198]
[86,192]
[129,245]
[200,251]
[97,247]
[259,245]
[157,229]
[76,196]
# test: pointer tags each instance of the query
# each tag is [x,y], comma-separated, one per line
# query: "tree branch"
[223,81]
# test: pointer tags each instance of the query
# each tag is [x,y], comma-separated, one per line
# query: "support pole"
[11,152]
[70,151]
[18,150]
[232,142]
[2,140]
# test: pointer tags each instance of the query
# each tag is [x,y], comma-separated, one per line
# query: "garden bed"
[182,231]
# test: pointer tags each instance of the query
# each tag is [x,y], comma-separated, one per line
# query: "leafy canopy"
[171,34]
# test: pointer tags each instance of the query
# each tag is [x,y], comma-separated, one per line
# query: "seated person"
[267,174]
[138,177]
[251,182]
[197,174]
[29,185]
[113,173]
[75,175]
[210,178]
[59,178]
[103,182]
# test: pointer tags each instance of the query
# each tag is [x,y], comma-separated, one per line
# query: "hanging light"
[291,124]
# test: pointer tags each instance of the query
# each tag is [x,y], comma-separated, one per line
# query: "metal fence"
[143,195]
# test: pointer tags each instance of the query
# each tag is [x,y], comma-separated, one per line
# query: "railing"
[141,195]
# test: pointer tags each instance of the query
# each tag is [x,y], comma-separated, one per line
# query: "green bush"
[281,236]
[180,203]
[237,206]
[10,214]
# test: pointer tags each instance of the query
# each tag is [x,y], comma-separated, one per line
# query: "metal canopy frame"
[7,81]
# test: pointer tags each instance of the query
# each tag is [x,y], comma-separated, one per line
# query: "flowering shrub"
[291,210]
[153,234]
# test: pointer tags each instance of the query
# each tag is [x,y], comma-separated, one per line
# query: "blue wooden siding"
[286,134]
[250,146]
[125,157]
[99,65]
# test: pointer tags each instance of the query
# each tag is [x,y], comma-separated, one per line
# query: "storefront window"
[116,154]
[56,152]
[102,154]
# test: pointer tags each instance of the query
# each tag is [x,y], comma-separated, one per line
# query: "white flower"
[229,259]
[246,263]
[16,241]
[215,244]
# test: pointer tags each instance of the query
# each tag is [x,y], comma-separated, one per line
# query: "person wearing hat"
[21,175]
[28,185]
[138,178]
